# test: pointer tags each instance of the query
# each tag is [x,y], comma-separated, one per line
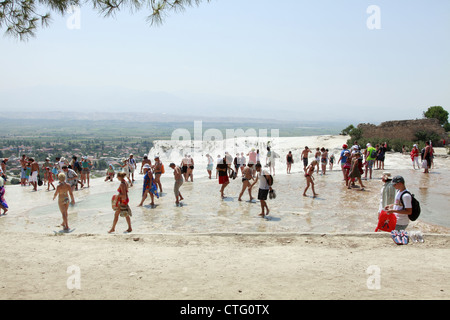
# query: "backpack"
[269,180]
[415,206]
[373,154]
[78,167]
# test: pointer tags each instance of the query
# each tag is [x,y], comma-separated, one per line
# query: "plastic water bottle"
[413,236]
[419,235]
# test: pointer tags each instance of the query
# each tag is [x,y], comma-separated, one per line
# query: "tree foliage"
[347,130]
[437,112]
[22,18]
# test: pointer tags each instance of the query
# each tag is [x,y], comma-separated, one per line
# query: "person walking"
[415,153]
[355,173]
[246,182]
[158,171]
[310,179]
[304,156]
[289,162]
[264,189]
[133,165]
[210,165]
[34,177]
[178,176]
[343,159]
[149,187]
[222,169]
[63,191]
[370,155]
[120,204]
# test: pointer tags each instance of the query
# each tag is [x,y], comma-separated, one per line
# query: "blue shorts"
[23,173]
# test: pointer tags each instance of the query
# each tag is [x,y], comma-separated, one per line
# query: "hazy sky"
[284,59]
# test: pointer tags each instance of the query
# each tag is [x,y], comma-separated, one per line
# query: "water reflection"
[335,210]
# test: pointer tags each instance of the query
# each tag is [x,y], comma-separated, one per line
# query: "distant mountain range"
[144,117]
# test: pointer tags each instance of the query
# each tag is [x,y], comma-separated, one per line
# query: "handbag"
[386,222]
[424,164]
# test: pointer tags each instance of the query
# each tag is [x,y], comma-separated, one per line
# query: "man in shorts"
[178,183]
[23,170]
[305,154]
[264,189]
[370,159]
[132,166]
[246,184]
[34,173]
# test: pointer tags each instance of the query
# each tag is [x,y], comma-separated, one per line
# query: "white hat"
[368,145]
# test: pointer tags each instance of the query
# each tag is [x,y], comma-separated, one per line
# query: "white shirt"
[402,219]
[262,180]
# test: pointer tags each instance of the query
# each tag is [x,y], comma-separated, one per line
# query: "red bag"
[386,222]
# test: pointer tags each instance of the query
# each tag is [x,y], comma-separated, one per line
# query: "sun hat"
[386,176]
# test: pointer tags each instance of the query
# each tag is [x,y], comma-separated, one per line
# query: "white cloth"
[34,177]
[263,181]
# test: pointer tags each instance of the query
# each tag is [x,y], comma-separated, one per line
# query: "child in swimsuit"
[50,179]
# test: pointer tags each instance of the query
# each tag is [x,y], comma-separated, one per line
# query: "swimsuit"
[2,198]
[124,208]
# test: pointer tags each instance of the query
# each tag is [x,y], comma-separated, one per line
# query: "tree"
[21,18]
[437,112]
[347,130]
